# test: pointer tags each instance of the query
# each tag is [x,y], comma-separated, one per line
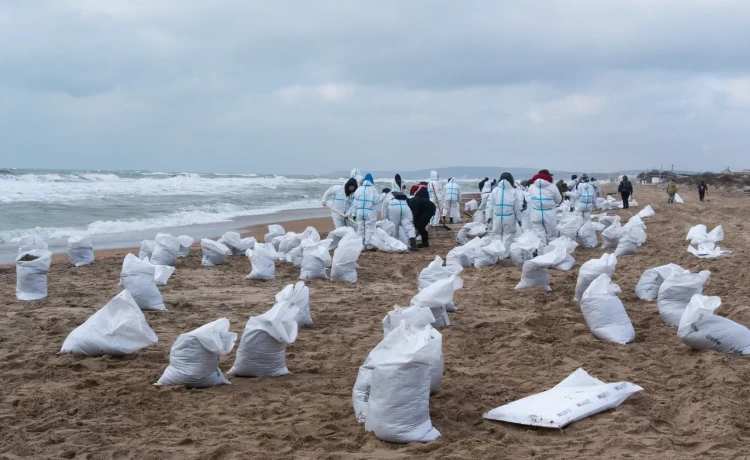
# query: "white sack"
[262,349]
[591,270]
[315,259]
[577,397]
[700,329]
[569,225]
[611,235]
[416,316]
[147,249]
[630,240]
[383,242]
[678,199]
[471,206]
[162,273]
[490,254]
[604,312]
[435,271]
[214,253]
[648,211]
[535,272]
[289,241]
[478,217]
[262,262]
[708,251]
[587,235]
[166,249]
[80,250]
[568,245]
[138,277]
[194,357]
[29,243]
[299,297]
[699,234]
[295,256]
[436,297]
[652,279]
[31,276]
[236,243]
[463,235]
[345,257]
[340,233]
[523,248]
[675,293]
[119,328]
[274,232]
[185,243]
[608,220]
[311,233]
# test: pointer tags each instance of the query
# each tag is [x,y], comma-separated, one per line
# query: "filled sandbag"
[479,216]
[648,211]
[315,259]
[262,262]
[340,233]
[299,296]
[162,273]
[138,277]
[311,233]
[676,292]
[214,253]
[32,267]
[604,312]
[607,221]
[385,243]
[570,224]
[295,256]
[402,336]
[398,409]
[701,329]
[289,241]
[262,349]
[611,235]
[166,249]
[471,206]
[274,235]
[387,226]
[344,267]
[591,270]
[436,271]
[194,357]
[117,329]
[147,249]
[463,256]
[535,272]
[437,297]
[236,243]
[569,246]
[587,235]
[30,243]
[186,242]
[708,251]
[699,234]
[415,315]
[630,239]
[489,255]
[652,279]
[524,247]
[80,250]
[478,228]
[577,397]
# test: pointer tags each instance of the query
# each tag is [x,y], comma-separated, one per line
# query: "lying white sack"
[162,273]
[385,243]
[299,296]
[630,240]
[436,297]
[464,256]
[262,349]
[478,231]
[262,262]
[648,211]
[415,315]
[489,255]
[591,270]
[166,249]
[535,272]
[569,246]
[138,277]
[31,276]
[403,336]
[345,257]
[185,243]
[463,235]
[587,235]
[471,206]
[387,226]
[214,253]
[524,247]
[675,293]
[117,329]
[315,259]
[398,409]
[147,249]
[194,357]
[340,233]
[652,279]
[708,251]
[678,199]
[604,312]
[611,235]
[633,203]
[30,243]
[577,397]
[80,250]
[700,329]
[699,234]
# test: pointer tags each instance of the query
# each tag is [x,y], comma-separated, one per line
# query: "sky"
[308,87]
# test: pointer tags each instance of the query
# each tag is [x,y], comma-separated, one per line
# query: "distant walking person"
[702,190]
[671,191]
[626,191]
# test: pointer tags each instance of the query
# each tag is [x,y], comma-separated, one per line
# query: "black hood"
[399,195]
[398,181]
[422,193]
[349,183]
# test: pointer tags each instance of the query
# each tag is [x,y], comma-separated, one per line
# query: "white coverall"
[571,188]
[435,189]
[356,175]
[597,187]
[544,199]
[585,199]
[398,212]
[335,198]
[364,207]
[452,201]
[484,204]
[507,205]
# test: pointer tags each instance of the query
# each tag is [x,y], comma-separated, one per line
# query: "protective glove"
[325,205]
[386,190]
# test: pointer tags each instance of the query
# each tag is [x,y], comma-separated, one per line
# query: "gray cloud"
[302,86]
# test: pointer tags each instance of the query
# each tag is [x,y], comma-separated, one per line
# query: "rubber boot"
[413,243]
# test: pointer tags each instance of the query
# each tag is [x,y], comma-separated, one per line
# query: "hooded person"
[625,189]
[481,184]
[423,210]
[356,175]
[571,187]
[506,203]
[365,199]
[339,198]
[544,199]
[597,187]
[584,196]
[452,201]
[435,189]
[397,185]
[396,209]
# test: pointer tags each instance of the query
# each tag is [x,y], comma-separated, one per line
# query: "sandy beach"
[503,345]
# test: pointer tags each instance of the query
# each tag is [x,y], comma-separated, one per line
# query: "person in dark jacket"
[481,184]
[422,209]
[702,190]
[626,191]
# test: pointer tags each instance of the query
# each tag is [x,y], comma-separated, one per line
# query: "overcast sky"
[312,86]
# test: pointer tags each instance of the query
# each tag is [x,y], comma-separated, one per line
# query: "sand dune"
[504,345]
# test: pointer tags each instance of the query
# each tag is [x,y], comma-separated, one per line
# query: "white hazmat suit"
[544,199]
[452,201]
[335,198]
[507,206]
[398,211]
[364,207]
[585,199]
[435,189]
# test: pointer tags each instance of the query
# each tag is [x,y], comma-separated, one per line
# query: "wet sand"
[503,345]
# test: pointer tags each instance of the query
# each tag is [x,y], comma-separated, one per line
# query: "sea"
[118,208]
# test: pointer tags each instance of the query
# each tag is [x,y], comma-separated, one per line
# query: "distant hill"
[478,172]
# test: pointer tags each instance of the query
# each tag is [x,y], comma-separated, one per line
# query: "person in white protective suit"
[584,196]
[365,211]
[597,187]
[435,189]
[484,203]
[506,203]
[572,185]
[545,197]
[339,198]
[397,211]
[452,201]
[356,175]
[397,185]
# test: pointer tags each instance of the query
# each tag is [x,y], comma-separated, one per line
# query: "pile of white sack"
[700,329]
[703,243]
[471,230]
